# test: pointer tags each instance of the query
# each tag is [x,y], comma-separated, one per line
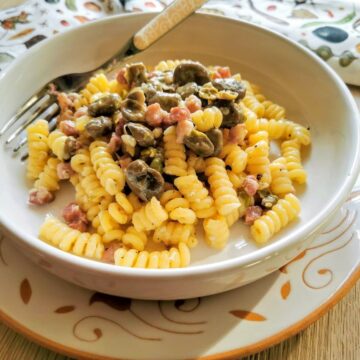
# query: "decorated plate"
[79,322]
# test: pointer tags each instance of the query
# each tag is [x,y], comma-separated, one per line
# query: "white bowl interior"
[286,74]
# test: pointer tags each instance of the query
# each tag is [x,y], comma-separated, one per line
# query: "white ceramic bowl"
[288,74]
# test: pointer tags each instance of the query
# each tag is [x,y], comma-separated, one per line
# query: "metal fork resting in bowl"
[43,103]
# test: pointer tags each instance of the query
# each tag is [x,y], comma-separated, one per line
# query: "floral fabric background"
[329,28]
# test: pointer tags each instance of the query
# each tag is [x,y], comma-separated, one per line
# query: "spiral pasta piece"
[37,136]
[290,150]
[273,111]
[235,157]
[254,105]
[258,136]
[111,176]
[236,179]
[285,211]
[234,216]
[224,194]
[172,233]
[177,207]
[167,65]
[70,240]
[279,129]
[134,239]
[175,157]
[81,164]
[97,84]
[197,195]
[106,221]
[196,164]
[150,216]
[57,143]
[90,207]
[134,201]
[175,257]
[280,181]
[207,119]
[49,179]
[216,231]
[258,163]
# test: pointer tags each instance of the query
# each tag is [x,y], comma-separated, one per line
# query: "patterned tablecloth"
[329,28]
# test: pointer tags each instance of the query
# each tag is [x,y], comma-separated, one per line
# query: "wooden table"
[335,336]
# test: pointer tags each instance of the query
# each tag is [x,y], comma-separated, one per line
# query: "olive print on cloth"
[329,28]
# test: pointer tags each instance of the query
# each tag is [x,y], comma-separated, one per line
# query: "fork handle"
[165,21]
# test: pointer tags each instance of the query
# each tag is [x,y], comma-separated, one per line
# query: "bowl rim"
[244,260]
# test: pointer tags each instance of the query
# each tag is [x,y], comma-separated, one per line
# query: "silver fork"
[43,103]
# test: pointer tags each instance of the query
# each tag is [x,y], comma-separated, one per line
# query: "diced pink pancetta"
[81,112]
[120,122]
[237,134]
[193,103]
[64,171]
[120,77]
[178,114]
[183,128]
[250,185]
[75,217]
[114,143]
[108,255]
[155,115]
[40,196]
[252,213]
[68,128]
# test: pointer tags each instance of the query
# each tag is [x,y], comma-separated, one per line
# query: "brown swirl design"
[351,223]
[165,316]
[121,304]
[178,304]
[2,258]
[323,271]
[98,332]
[171,331]
[337,225]
[353,196]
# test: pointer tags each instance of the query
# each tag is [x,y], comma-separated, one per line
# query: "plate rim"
[261,345]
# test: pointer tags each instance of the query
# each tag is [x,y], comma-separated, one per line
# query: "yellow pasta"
[258,162]
[177,207]
[274,220]
[216,231]
[280,181]
[273,111]
[290,150]
[224,194]
[254,105]
[58,143]
[37,134]
[197,195]
[175,257]
[207,119]
[150,216]
[175,157]
[167,65]
[71,240]
[111,176]
[211,171]
[235,157]
[196,164]
[134,239]
[49,179]
[172,233]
